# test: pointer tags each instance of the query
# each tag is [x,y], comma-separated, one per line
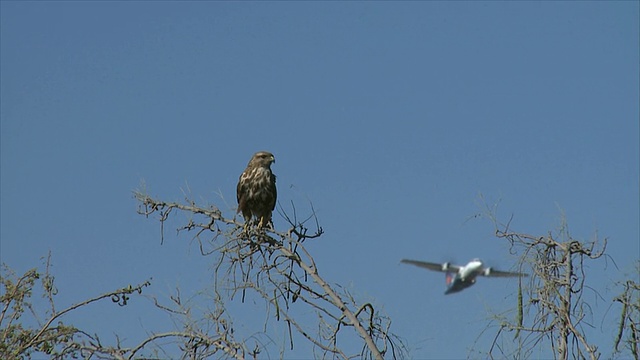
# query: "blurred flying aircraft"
[459,278]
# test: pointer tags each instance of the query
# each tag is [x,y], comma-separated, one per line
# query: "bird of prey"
[257,190]
[459,278]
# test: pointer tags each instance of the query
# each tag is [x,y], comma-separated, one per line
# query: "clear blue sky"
[393,118]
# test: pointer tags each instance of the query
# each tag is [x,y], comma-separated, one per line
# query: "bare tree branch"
[19,341]
[276,266]
[551,306]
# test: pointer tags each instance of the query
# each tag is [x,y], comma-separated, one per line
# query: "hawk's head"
[262,159]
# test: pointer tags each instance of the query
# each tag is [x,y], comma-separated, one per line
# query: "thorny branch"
[629,323]
[60,341]
[57,340]
[555,289]
[276,266]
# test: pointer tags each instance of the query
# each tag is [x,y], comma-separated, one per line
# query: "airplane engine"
[487,271]
[445,266]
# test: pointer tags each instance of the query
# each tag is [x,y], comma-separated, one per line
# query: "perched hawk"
[257,189]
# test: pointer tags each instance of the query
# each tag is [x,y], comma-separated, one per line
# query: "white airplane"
[461,277]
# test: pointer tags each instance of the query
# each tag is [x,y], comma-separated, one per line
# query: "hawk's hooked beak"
[273,159]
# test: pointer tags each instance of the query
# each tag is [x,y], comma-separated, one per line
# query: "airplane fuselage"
[464,278]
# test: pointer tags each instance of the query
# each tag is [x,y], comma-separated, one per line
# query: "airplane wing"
[497,273]
[446,267]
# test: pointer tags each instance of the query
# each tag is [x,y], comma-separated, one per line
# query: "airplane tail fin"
[449,278]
